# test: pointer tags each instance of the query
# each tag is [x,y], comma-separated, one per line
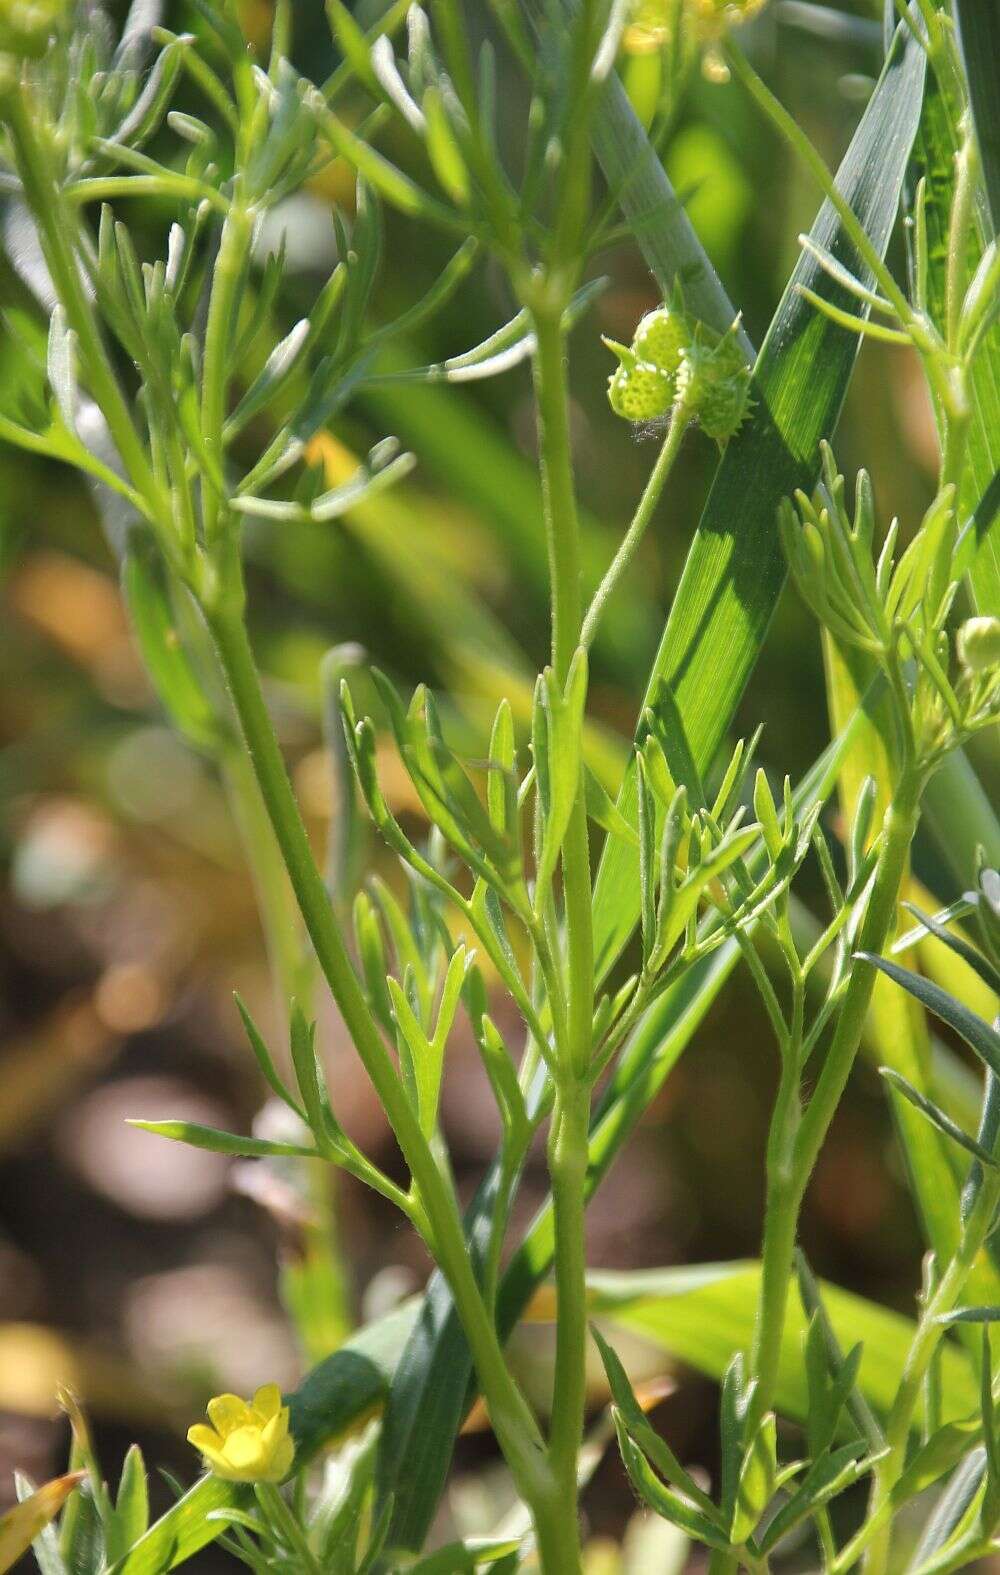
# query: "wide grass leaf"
[735,570]
[978,28]
[938,140]
[701,1316]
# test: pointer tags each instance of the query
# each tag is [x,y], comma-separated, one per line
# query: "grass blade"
[735,569]
[978,28]
[934,162]
[702,1315]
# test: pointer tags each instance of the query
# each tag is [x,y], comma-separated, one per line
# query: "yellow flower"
[26,25]
[248,1440]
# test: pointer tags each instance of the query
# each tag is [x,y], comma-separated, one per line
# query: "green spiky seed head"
[637,391]
[662,338]
[724,406]
[640,393]
[714,382]
[979,644]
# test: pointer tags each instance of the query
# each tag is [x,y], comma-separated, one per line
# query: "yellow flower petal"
[207,1441]
[281,1461]
[275,1431]
[228,1412]
[245,1454]
[267,1401]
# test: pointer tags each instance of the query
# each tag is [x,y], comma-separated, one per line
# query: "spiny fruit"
[714,382]
[640,392]
[661,339]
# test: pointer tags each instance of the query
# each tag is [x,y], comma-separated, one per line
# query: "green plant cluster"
[159,378]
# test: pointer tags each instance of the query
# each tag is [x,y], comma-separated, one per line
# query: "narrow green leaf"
[937,1116]
[943,1450]
[655,1448]
[978,1035]
[132,1504]
[221,1142]
[826,1477]
[462,1558]
[970,1315]
[757,1480]
[949,1509]
[164,657]
[661,1499]
[979,964]
[184,1530]
[262,1056]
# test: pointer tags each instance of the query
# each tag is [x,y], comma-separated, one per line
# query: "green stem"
[880,918]
[567,1170]
[569,1131]
[558,498]
[513,1421]
[283,1522]
[780,1224]
[959,223]
[640,521]
[223,308]
[795,1138]
[35,166]
[930,1332]
[563,537]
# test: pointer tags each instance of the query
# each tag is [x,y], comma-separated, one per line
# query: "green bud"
[27,25]
[978,644]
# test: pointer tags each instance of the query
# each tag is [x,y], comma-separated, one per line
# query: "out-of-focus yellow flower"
[650,26]
[248,1439]
[26,25]
[655,24]
[714,16]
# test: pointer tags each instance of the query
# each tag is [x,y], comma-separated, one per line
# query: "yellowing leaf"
[22,1524]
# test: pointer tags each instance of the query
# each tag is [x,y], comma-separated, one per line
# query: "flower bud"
[27,25]
[978,644]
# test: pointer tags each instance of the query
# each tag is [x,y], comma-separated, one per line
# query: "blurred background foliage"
[149,1275]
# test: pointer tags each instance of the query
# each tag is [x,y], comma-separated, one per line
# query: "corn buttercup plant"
[159,379]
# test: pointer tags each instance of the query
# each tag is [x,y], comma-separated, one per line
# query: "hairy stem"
[515,1426]
[568,1138]
[640,521]
[930,1332]
[35,166]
